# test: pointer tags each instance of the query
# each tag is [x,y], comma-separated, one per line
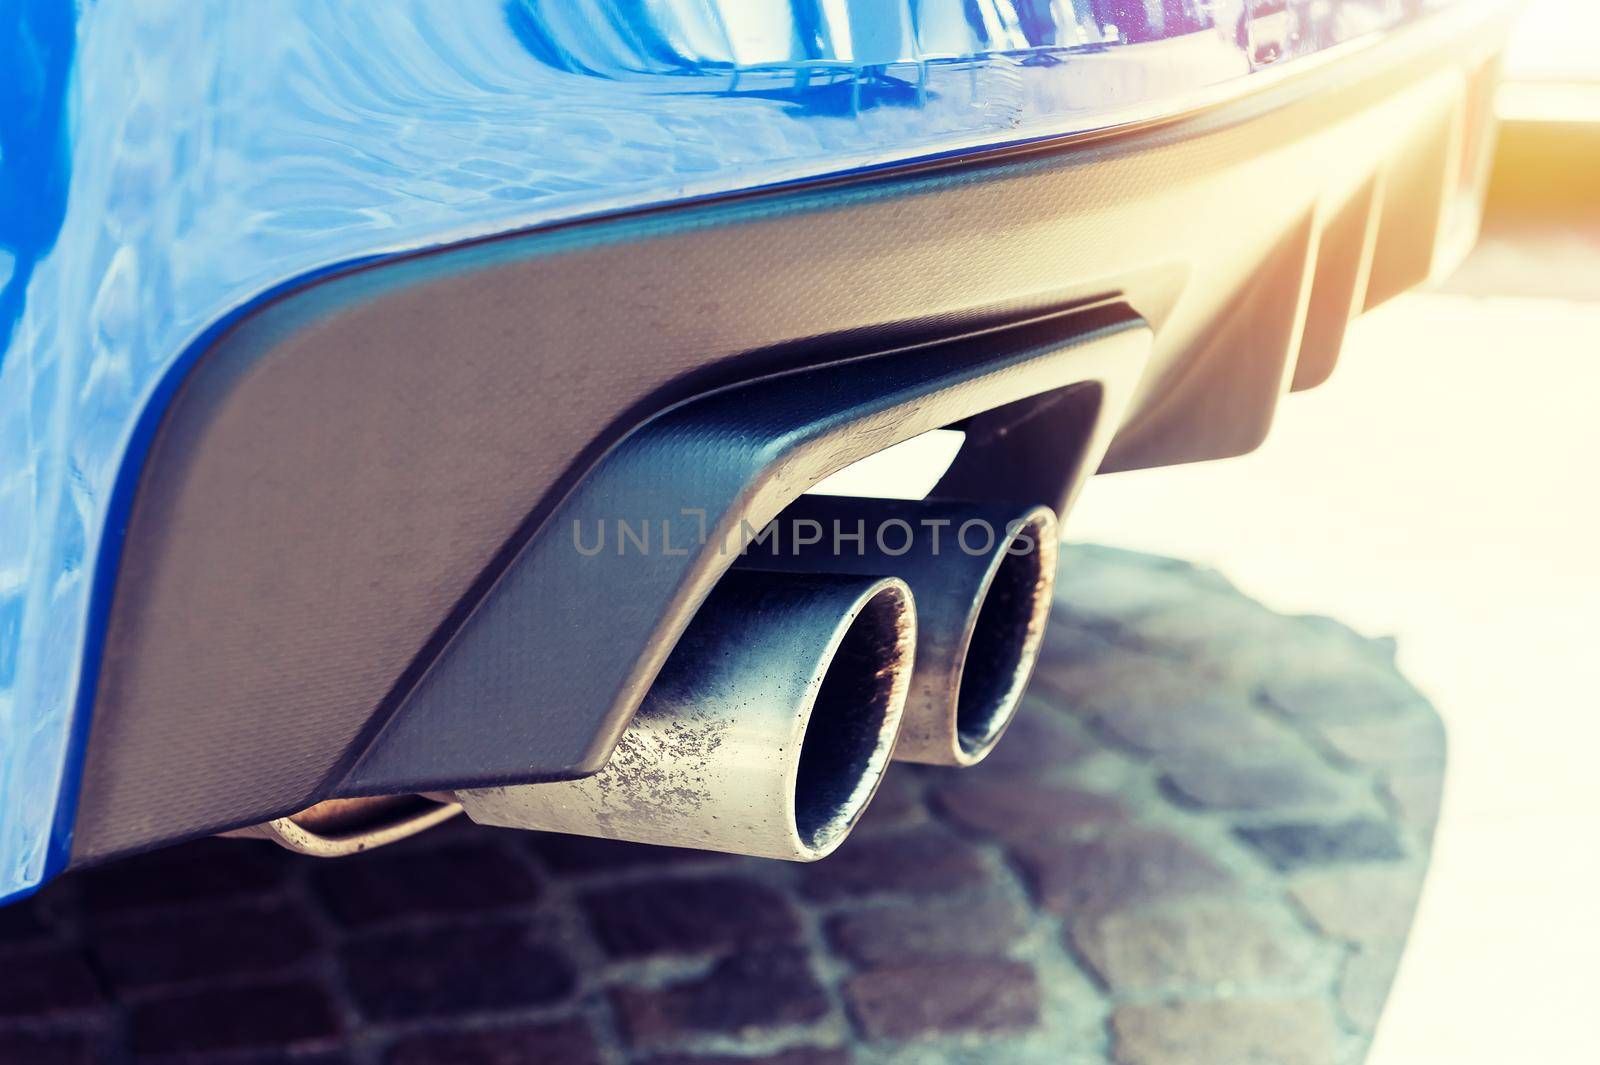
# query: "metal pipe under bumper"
[334,828]
[766,732]
[982,575]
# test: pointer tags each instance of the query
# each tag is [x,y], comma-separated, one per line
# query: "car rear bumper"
[307,353]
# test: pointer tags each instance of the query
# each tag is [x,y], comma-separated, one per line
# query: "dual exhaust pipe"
[851,632]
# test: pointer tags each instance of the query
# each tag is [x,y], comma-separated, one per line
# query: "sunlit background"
[1441,488]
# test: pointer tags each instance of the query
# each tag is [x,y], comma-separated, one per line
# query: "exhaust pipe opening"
[982,574]
[847,746]
[1005,640]
[766,733]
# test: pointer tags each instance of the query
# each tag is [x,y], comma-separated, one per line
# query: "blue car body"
[166,165]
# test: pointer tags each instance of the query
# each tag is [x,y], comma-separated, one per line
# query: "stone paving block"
[581,855]
[1095,850]
[176,948]
[921,862]
[370,889]
[1371,905]
[988,926]
[1225,1032]
[1217,783]
[910,1000]
[1415,740]
[1343,692]
[757,989]
[1305,655]
[1308,844]
[1076,637]
[1210,944]
[49,1048]
[203,873]
[1151,705]
[1097,580]
[1040,739]
[1022,810]
[1416,796]
[792,1056]
[1123,868]
[897,803]
[1364,986]
[1222,725]
[1219,635]
[46,981]
[688,916]
[443,971]
[1116,681]
[560,1043]
[23,924]
[291,1055]
[281,1013]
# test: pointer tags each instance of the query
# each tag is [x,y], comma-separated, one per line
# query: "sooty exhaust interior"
[846,748]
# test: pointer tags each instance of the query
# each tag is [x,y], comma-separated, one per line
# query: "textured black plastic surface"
[503,701]
[348,470]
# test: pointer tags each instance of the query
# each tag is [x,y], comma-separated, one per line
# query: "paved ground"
[1201,843]
[1441,488]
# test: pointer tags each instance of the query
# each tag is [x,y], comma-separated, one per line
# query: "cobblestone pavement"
[1201,842]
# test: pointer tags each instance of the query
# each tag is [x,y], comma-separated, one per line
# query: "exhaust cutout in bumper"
[766,732]
[982,575]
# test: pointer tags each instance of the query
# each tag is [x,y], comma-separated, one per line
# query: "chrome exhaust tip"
[766,732]
[1002,637]
[982,575]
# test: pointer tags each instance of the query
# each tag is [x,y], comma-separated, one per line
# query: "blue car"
[429,406]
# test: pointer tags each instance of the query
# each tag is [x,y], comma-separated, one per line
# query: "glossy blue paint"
[166,165]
